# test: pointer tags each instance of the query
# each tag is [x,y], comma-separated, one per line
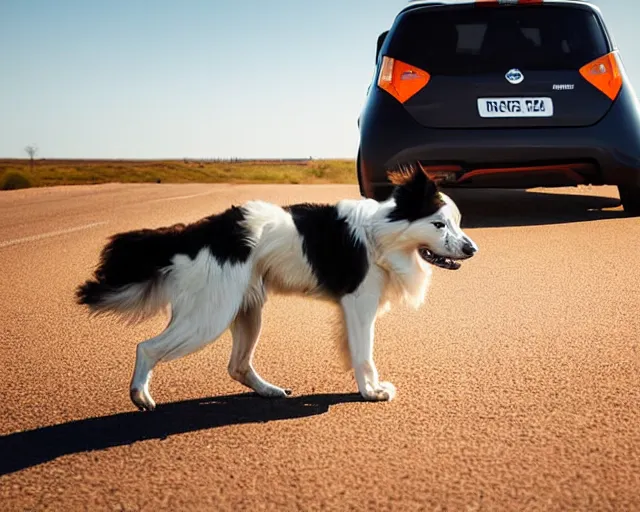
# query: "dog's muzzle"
[439,261]
[468,249]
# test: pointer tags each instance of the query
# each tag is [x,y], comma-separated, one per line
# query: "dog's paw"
[271,391]
[389,389]
[384,392]
[142,399]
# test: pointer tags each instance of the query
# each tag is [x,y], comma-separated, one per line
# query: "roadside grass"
[79,172]
[13,180]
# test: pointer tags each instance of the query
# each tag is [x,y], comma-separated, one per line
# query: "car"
[501,93]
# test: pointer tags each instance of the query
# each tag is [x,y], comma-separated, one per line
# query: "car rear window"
[455,41]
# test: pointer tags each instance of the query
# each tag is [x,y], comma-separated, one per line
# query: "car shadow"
[21,450]
[482,208]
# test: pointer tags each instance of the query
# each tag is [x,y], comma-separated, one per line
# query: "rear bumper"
[605,153]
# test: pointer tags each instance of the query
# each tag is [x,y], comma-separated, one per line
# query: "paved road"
[518,384]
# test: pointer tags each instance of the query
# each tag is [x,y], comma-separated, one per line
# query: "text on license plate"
[515,107]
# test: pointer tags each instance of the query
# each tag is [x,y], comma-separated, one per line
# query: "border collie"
[216,273]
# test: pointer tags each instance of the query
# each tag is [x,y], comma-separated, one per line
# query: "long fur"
[215,274]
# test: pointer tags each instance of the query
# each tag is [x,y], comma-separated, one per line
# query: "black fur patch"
[139,256]
[338,259]
[416,195]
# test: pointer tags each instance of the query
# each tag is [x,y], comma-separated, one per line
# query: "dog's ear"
[416,195]
[410,174]
[412,179]
[429,187]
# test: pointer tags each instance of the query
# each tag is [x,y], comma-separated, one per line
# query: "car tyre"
[359,174]
[630,199]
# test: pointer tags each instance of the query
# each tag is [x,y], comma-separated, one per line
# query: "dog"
[215,274]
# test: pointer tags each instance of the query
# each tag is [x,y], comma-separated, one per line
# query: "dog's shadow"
[22,450]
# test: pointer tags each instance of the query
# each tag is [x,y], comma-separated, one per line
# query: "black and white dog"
[216,273]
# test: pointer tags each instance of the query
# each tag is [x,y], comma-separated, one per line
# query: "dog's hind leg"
[139,389]
[245,331]
[189,331]
[205,296]
[360,310]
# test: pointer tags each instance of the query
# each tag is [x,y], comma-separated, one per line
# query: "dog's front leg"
[360,310]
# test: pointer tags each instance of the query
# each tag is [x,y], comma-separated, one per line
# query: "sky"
[201,78]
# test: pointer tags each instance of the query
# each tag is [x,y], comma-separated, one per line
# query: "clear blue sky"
[200,78]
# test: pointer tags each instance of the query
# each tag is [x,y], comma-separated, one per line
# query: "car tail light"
[604,74]
[401,80]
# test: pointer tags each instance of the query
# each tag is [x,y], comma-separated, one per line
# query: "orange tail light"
[604,74]
[401,80]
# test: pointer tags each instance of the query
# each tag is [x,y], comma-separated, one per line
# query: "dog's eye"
[438,225]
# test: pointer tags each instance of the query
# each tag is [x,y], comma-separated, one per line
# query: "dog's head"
[433,219]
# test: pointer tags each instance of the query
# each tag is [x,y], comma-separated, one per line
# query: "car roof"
[416,4]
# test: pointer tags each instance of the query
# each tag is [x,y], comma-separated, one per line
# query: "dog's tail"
[130,279]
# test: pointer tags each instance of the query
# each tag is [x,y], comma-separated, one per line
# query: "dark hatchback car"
[501,94]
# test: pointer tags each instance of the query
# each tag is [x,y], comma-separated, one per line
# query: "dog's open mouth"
[438,261]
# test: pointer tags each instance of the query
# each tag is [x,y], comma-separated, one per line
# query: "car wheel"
[630,199]
[359,175]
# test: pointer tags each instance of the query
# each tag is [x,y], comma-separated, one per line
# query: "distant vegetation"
[17,173]
[14,180]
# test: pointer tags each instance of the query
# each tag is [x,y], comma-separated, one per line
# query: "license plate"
[515,107]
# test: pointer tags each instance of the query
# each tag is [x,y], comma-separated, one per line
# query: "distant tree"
[32,151]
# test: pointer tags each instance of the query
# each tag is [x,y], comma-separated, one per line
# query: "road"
[518,382]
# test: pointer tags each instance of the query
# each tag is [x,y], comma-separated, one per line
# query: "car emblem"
[514,76]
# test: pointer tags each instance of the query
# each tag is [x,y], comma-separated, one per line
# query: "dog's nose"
[469,248]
